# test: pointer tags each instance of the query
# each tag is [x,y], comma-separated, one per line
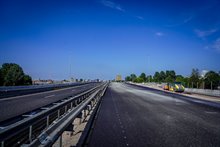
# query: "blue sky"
[102,38]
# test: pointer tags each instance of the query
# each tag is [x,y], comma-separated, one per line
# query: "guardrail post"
[48,118]
[89,107]
[71,105]
[30,134]
[2,144]
[95,99]
[86,112]
[60,140]
[93,102]
[81,115]
[58,114]
[65,109]
[76,103]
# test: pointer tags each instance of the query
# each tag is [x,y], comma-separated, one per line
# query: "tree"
[186,82]
[1,77]
[128,78]
[149,78]
[179,78]
[162,76]
[157,77]
[81,80]
[133,77]
[170,74]
[169,79]
[143,76]
[27,80]
[213,77]
[138,80]
[12,75]
[194,78]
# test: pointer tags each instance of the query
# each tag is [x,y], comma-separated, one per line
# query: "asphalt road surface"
[15,106]
[132,116]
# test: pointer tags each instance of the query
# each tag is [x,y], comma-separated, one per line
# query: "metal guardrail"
[10,91]
[12,88]
[45,127]
[208,92]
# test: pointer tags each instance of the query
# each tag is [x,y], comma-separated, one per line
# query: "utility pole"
[147,66]
[70,68]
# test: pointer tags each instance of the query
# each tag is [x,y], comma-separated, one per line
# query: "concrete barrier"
[207,92]
[203,91]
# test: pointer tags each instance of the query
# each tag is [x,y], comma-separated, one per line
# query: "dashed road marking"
[49,96]
[210,112]
[120,122]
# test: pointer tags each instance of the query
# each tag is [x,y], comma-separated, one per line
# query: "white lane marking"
[119,120]
[22,96]
[210,112]
[49,96]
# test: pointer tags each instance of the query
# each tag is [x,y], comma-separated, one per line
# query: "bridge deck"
[132,116]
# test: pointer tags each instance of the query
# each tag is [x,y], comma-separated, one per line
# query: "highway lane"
[132,116]
[12,91]
[15,106]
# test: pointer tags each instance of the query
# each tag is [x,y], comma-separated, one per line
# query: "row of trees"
[12,74]
[211,80]
[168,76]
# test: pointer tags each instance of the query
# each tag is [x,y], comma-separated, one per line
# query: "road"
[15,106]
[133,116]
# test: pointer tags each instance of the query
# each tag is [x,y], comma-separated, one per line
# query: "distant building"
[118,78]
[42,82]
[64,81]
[72,80]
[95,80]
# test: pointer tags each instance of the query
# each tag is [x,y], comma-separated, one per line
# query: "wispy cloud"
[160,34]
[184,21]
[140,17]
[216,45]
[112,5]
[204,33]
[116,6]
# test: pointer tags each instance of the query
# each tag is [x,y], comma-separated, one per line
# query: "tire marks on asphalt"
[122,128]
